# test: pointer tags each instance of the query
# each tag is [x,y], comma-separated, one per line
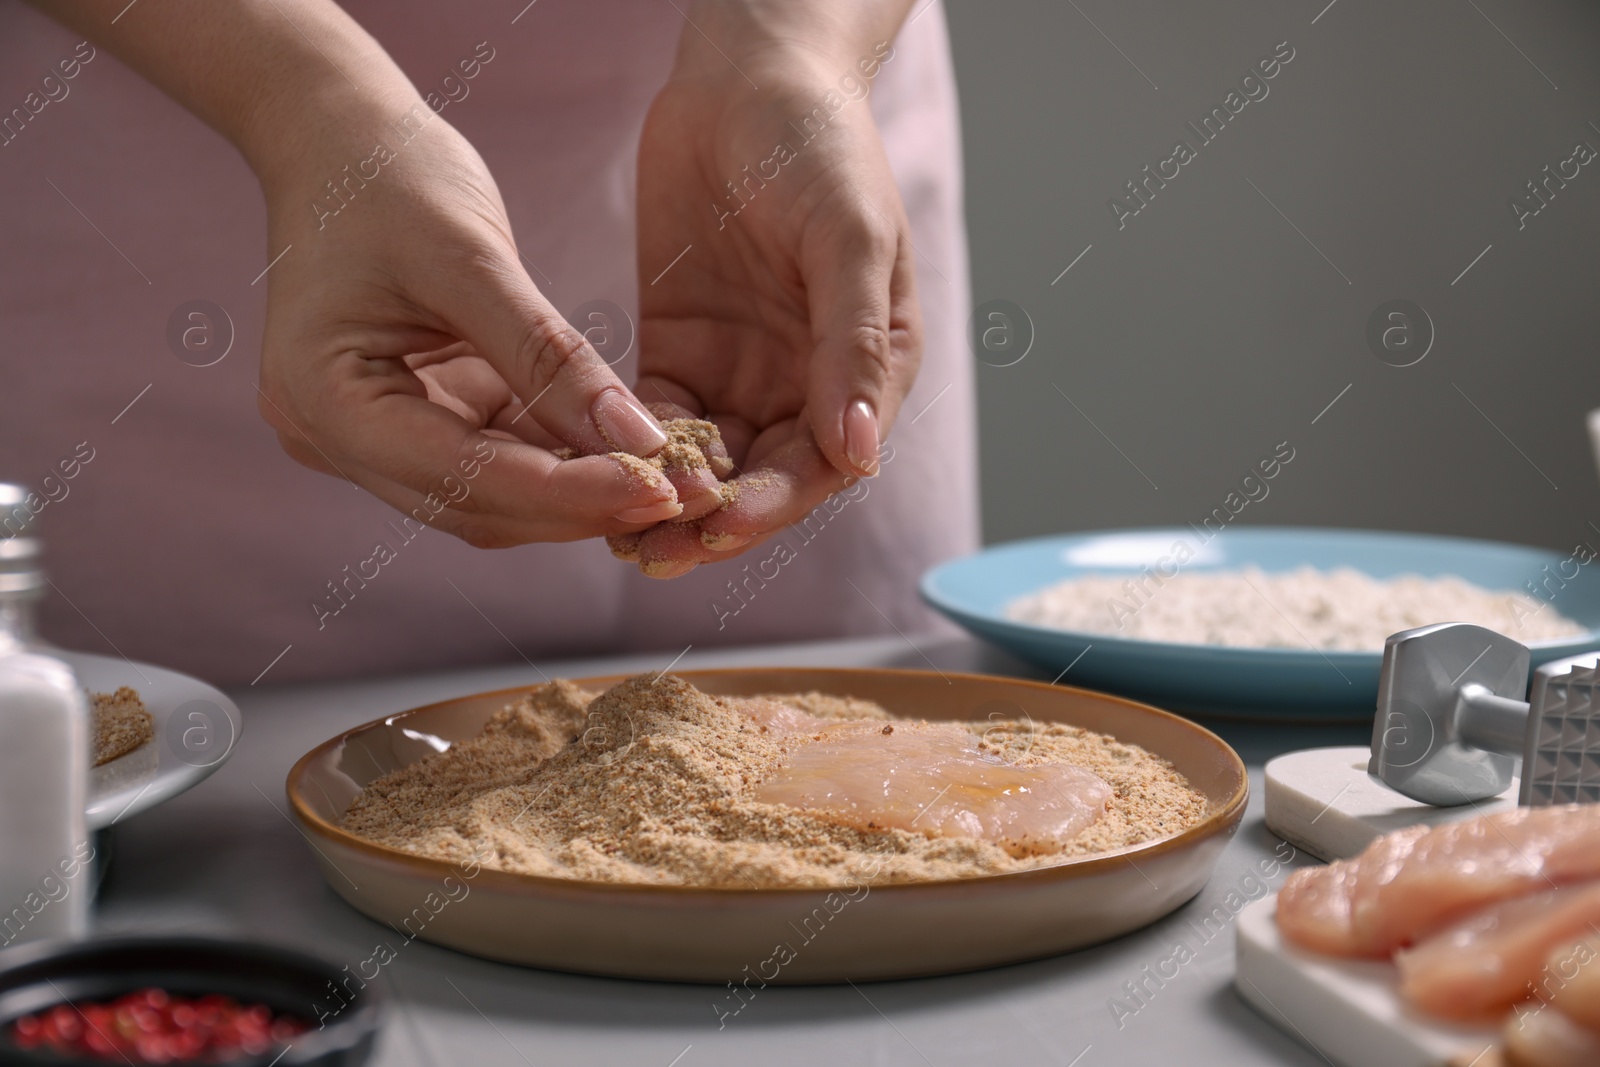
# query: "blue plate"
[1273,683]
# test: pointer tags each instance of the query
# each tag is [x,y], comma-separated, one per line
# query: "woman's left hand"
[777,290]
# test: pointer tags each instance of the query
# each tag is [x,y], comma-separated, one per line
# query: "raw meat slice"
[1316,913]
[1548,1038]
[1411,882]
[932,778]
[1497,955]
[1561,1028]
[1571,981]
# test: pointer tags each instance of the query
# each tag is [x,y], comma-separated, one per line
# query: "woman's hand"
[405,349]
[405,343]
[777,294]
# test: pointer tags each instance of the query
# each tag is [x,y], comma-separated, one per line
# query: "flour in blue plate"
[1341,609]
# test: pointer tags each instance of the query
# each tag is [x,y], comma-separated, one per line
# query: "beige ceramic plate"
[777,935]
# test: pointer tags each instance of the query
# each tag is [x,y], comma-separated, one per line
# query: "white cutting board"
[1348,1010]
[1323,802]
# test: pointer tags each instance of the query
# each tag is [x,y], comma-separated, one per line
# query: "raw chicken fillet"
[1491,959]
[1414,881]
[1489,915]
[930,778]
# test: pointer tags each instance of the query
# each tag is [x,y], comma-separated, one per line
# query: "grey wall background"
[1208,329]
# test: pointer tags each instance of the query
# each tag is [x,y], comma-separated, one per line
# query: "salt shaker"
[44,756]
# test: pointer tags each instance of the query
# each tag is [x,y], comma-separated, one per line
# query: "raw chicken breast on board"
[1414,881]
[1494,915]
[1561,1026]
[1494,957]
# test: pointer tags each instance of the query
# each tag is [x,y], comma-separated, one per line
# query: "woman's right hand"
[407,350]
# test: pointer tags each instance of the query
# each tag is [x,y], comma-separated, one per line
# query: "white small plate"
[196,728]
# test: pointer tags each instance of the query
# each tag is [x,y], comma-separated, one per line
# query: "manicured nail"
[666,509]
[664,568]
[724,542]
[861,438]
[626,425]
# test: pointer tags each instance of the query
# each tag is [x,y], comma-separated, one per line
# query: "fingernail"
[626,425]
[666,509]
[861,438]
[664,568]
[724,542]
[625,546]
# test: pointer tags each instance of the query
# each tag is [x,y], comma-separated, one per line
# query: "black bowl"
[38,976]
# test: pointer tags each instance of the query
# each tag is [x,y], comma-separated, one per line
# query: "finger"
[301,452]
[675,553]
[718,458]
[485,530]
[781,489]
[437,356]
[513,421]
[457,378]
[694,470]
[666,410]
[699,493]
[667,551]
[652,389]
[712,446]
[864,316]
[737,435]
[548,364]
[382,425]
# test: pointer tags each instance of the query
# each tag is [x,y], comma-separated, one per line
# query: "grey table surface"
[224,858]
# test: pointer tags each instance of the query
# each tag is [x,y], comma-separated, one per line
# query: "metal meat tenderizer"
[1451,725]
